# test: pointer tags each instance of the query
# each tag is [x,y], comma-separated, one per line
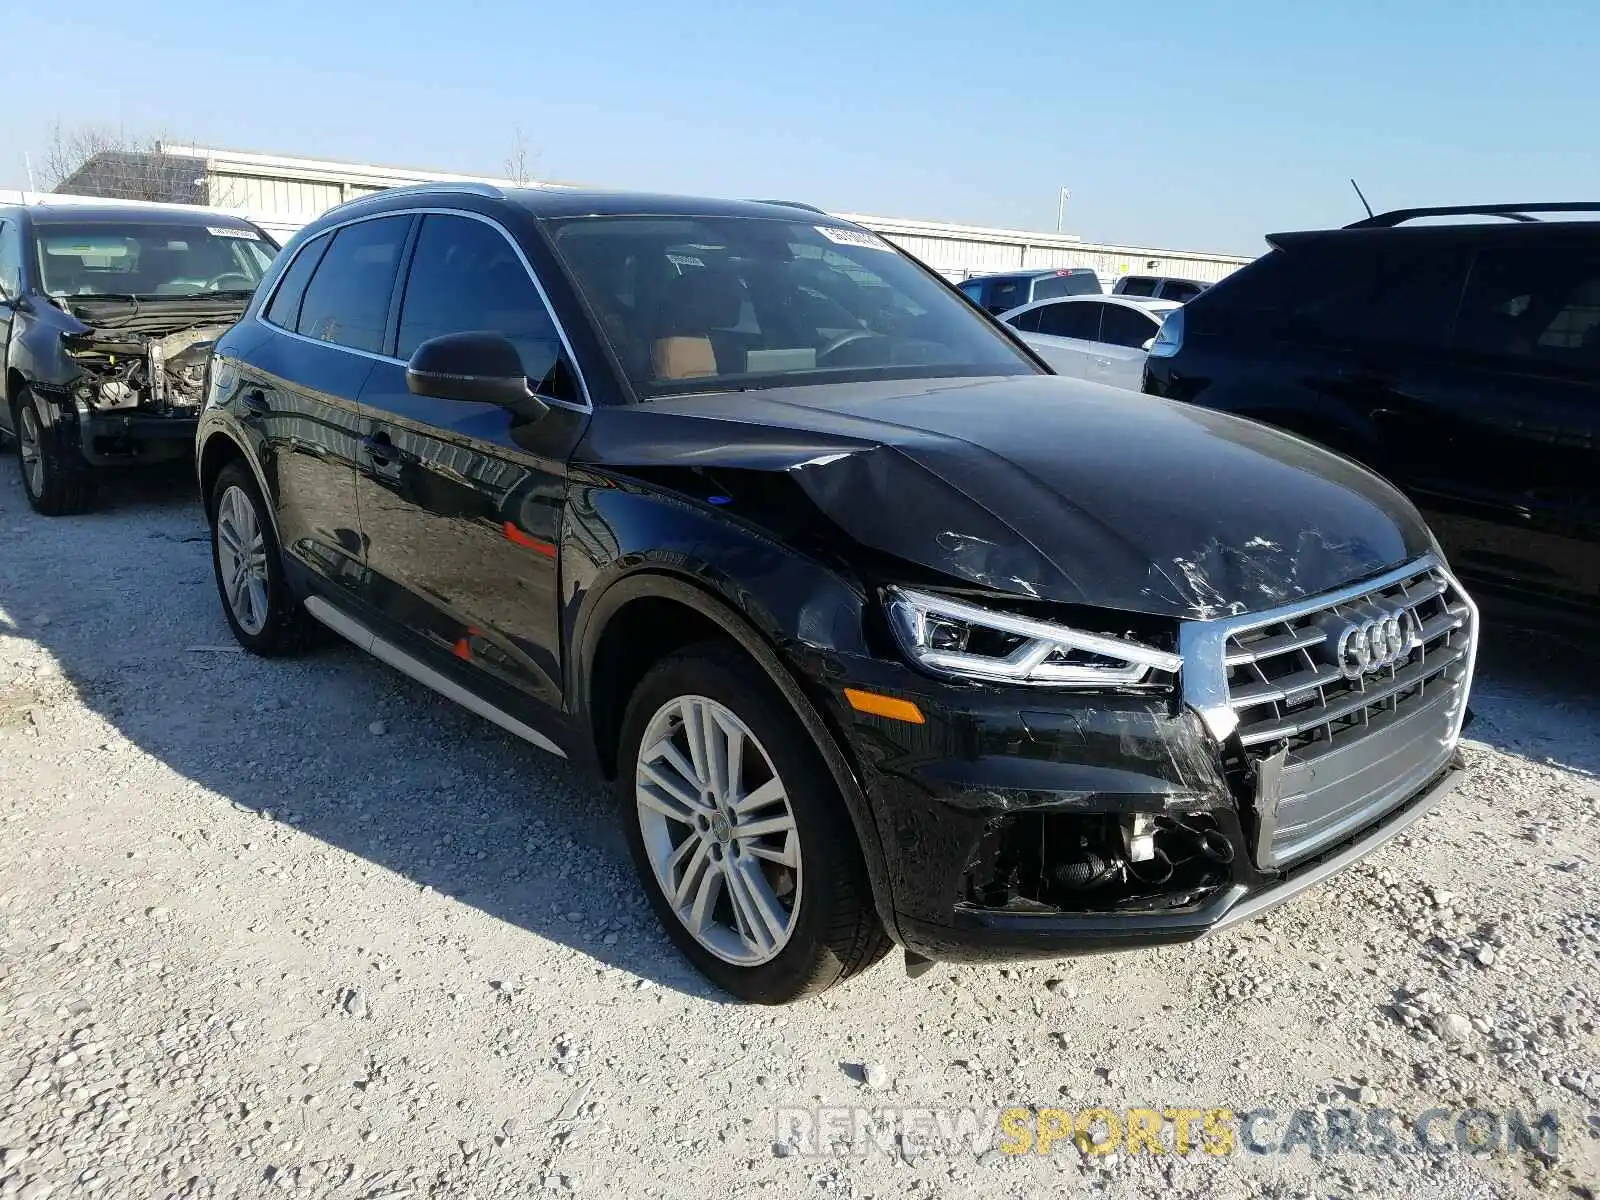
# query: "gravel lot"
[303,926]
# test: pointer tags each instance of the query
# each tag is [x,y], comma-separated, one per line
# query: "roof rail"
[487,190]
[794,204]
[1511,212]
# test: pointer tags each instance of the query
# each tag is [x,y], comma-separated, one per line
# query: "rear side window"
[1124,327]
[284,311]
[1028,322]
[1537,304]
[1068,283]
[1136,285]
[1352,289]
[1179,290]
[466,276]
[1071,320]
[1004,295]
[347,300]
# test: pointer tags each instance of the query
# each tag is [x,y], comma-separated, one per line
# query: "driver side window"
[465,276]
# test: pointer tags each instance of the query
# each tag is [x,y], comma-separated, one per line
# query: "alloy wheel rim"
[719,830]
[28,446]
[242,560]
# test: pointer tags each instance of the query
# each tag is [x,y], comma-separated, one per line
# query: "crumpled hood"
[1049,487]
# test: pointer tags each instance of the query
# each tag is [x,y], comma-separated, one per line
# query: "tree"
[93,160]
[517,166]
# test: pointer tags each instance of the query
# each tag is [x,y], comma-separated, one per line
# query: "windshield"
[100,258]
[695,304]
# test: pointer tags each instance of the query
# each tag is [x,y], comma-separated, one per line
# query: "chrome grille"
[1285,683]
[1335,746]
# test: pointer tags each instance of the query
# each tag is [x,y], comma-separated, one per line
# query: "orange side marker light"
[884,706]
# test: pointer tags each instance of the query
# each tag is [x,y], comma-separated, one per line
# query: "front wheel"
[261,610]
[54,476]
[739,833]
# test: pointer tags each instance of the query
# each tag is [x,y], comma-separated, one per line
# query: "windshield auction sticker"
[852,237]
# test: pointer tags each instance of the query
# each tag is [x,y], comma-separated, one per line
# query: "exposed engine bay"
[161,372]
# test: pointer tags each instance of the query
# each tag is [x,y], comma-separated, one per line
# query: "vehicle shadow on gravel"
[1517,664]
[332,743]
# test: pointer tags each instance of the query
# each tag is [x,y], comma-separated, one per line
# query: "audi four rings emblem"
[1371,645]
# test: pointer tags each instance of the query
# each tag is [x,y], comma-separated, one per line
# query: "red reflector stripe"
[516,536]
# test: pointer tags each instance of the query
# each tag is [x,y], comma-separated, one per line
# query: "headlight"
[948,637]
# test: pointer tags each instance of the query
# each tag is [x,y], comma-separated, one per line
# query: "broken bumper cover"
[939,790]
[977,935]
[111,437]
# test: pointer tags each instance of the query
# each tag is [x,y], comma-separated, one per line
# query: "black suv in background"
[1002,293]
[107,316]
[885,632]
[1461,360]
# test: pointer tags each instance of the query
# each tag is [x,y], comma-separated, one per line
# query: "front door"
[461,502]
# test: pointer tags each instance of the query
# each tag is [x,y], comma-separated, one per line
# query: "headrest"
[698,301]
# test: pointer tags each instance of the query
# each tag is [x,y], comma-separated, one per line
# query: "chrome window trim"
[533,276]
[1202,644]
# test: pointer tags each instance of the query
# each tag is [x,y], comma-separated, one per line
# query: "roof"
[584,202]
[108,212]
[1032,272]
[557,203]
[1146,304]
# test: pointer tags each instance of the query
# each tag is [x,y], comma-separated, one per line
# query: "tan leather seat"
[692,306]
[683,358]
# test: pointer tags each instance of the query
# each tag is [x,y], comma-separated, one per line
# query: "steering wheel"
[244,282]
[843,340]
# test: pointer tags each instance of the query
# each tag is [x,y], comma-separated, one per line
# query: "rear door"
[298,391]
[1119,352]
[461,502]
[1067,337]
[1520,397]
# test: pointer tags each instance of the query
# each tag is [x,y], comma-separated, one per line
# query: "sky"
[1192,125]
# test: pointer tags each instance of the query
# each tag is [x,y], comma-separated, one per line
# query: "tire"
[820,924]
[265,616]
[55,478]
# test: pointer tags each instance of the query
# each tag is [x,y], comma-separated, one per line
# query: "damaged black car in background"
[107,317]
[886,633]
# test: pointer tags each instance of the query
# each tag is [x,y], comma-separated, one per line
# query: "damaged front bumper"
[1022,824]
[113,438]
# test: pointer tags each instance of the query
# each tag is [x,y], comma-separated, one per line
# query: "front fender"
[779,606]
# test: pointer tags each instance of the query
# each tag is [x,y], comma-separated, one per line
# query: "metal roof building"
[282,193]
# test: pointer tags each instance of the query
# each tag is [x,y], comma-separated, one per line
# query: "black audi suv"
[887,634]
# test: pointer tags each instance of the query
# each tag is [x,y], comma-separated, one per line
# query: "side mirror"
[1148,342]
[481,367]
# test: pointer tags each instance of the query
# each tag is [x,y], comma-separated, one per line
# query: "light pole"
[1061,208]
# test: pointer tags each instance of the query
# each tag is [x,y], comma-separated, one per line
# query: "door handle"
[255,403]
[381,450]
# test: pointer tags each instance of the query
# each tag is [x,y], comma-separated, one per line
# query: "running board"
[349,628]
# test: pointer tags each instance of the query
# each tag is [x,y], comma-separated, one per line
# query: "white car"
[1100,338]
